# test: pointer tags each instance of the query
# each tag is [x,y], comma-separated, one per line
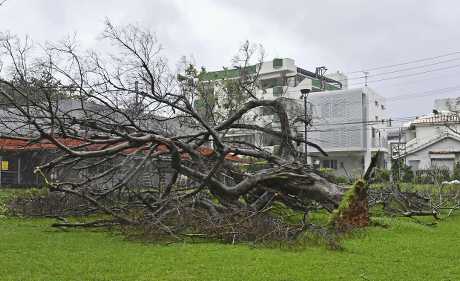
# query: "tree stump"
[353,211]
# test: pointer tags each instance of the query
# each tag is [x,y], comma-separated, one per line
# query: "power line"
[433,92]
[404,63]
[403,69]
[410,75]
[419,80]
[351,130]
[370,122]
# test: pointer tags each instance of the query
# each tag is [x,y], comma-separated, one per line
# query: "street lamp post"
[305,93]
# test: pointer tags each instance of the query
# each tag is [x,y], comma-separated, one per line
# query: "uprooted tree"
[131,116]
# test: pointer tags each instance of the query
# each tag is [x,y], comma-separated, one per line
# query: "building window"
[376,118]
[376,103]
[331,164]
[272,82]
[277,91]
[277,63]
[383,107]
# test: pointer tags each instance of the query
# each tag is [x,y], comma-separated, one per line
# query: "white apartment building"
[279,78]
[350,125]
[346,123]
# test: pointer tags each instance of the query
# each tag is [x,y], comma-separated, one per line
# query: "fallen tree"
[131,117]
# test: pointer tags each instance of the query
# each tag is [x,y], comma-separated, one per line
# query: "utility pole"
[366,75]
[305,93]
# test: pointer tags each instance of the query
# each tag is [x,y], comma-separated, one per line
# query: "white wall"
[288,65]
[352,163]
[445,145]
[424,133]
[376,112]
[330,110]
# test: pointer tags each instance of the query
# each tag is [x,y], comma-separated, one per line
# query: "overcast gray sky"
[342,35]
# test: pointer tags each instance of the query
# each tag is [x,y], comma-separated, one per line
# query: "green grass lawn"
[31,250]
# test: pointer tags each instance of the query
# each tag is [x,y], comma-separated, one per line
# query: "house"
[18,157]
[431,141]
[350,125]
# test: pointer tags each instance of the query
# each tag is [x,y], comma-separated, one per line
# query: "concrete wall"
[377,114]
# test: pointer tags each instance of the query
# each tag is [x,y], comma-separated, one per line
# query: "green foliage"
[234,96]
[456,171]
[423,178]
[327,171]
[382,175]
[342,180]
[330,175]
[285,213]
[401,172]
[8,194]
[407,174]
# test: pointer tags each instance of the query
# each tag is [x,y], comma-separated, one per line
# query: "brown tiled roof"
[12,144]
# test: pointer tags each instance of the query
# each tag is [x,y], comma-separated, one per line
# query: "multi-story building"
[347,124]
[350,125]
[280,78]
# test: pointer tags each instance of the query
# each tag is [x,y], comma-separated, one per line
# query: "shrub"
[327,171]
[422,178]
[342,180]
[434,175]
[456,172]
[401,172]
[382,175]
[329,174]
[407,174]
